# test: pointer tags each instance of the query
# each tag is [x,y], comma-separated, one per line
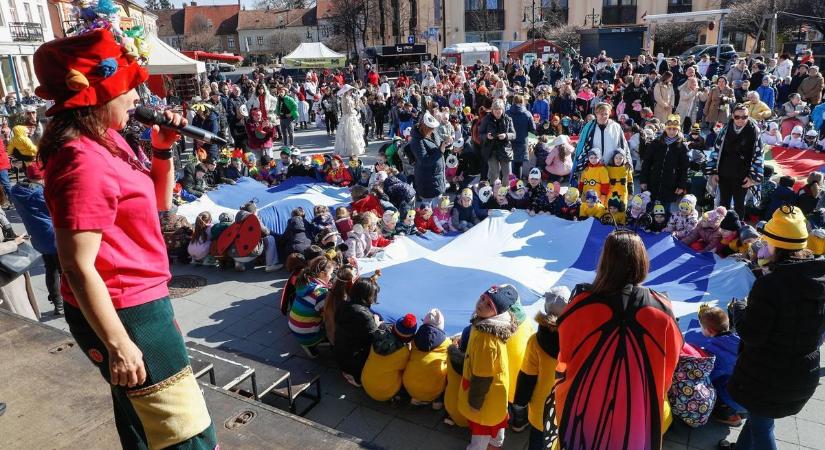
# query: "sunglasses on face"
[740,117]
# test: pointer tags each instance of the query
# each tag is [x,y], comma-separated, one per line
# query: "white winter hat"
[430,121]
[797,130]
[811,133]
[435,318]
[535,174]
[559,140]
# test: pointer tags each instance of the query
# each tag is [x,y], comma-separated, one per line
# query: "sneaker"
[273,267]
[239,267]
[733,420]
[415,402]
[438,406]
[449,421]
[350,379]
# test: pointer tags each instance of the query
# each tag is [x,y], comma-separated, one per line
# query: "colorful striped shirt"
[305,317]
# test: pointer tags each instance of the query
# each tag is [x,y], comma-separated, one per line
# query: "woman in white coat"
[688,100]
[264,101]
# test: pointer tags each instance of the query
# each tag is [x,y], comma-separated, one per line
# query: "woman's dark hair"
[365,290]
[782,254]
[623,261]
[667,75]
[295,262]
[298,212]
[358,192]
[337,295]
[69,125]
[203,220]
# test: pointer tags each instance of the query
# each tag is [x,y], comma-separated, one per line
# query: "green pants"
[143,413]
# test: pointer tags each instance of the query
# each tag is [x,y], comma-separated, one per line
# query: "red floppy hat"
[85,70]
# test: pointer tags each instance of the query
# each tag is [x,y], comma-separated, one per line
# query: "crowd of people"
[654,145]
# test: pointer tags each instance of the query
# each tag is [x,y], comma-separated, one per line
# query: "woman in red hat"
[105,204]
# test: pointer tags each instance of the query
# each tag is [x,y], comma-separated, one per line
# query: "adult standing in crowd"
[288,114]
[811,87]
[523,125]
[603,133]
[618,347]
[720,99]
[664,97]
[497,133]
[105,204]
[665,165]
[781,327]
[430,178]
[30,203]
[735,164]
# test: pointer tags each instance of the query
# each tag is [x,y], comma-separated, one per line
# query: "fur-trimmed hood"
[501,326]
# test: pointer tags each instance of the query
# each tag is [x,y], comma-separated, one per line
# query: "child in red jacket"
[338,173]
[425,221]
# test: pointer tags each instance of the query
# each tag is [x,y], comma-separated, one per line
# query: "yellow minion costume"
[455,367]
[621,178]
[591,207]
[388,358]
[425,376]
[595,176]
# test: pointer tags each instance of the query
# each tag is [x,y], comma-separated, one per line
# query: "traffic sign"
[411,39]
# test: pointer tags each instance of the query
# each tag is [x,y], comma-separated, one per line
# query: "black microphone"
[148,116]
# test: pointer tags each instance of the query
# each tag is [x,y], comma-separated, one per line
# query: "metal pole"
[773,34]
[14,77]
[719,37]
[533,26]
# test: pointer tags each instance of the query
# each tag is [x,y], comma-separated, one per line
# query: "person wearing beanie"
[383,372]
[338,174]
[592,206]
[683,222]
[756,205]
[812,194]
[595,176]
[103,207]
[570,205]
[425,376]
[483,396]
[30,203]
[463,214]
[707,234]
[536,192]
[772,136]
[780,326]
[620,173]
[538,369]
[782,195]
[407,226]
[356,327]
[816,232]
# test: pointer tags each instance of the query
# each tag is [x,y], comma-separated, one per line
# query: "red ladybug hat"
[85,70]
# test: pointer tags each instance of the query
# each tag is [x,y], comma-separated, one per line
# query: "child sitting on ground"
[517,197]
[463,214]
[343,222]
[388,224]
[389,354]
[499,200]
[407,227]
[659,222]
[338,175]
[322,219]
[426,374]
[425,221]
[536,192]
[363,201]
[201,243]
[716,339]
[729,227]
[591,207]
[706,236]
[443,216]
[538,369]
[683,222]
[570,206]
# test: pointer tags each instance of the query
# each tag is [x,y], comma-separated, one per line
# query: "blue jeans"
[6,183]
[757,434]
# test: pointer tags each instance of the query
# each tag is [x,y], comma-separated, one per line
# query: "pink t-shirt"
[88,188]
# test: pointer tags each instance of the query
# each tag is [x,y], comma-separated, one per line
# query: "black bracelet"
[162,154]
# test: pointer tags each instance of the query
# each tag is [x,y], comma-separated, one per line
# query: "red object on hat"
[35,171]
[70,71]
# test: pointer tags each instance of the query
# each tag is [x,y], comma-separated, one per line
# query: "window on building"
[260,41]
[209,23]
[13,11]
[680,2]
[618,2]
[475,5]
[42,15]
[27,8]
[230,42]
[561,4]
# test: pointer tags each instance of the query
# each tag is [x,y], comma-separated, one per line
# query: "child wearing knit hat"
[683,222]
[382,374]
[591,207]
[538,369]
[426,374]
[407,226]
[729,227]
[483,395]
[463,214]
[595,175]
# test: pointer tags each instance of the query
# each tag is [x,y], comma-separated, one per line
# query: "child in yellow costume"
[482,397]
[388,358]
[455,368]
[426,374]
[595,176]
[816,232]
[616,213]
[516,346]
[538,370]
[620,172]
[591,207]
[20,145]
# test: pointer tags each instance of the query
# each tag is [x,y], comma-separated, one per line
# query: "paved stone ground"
[240,311]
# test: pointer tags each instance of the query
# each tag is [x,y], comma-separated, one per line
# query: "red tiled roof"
[223,18]
[170,22]
[260,19]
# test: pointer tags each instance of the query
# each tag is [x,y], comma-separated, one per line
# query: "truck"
[467,53]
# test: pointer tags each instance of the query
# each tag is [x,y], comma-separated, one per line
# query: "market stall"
[314,55]
[172,73]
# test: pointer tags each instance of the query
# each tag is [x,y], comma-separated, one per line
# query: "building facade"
[24,26]
[211,28]
[271,32]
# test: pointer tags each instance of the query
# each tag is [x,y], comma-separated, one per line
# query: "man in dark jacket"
[497,131]
[30,203]
[207,119]
[665,166]
[736,164]
[194,177]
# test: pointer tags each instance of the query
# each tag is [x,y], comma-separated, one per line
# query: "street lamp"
[533,21]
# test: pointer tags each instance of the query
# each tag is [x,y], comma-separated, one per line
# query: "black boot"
[58,306]
[9,234]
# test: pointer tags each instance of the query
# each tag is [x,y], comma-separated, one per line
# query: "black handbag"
[18,262]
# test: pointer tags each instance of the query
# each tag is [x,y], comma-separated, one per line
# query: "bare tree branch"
[669,37]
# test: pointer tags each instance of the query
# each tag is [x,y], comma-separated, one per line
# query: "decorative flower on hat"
[76,81]
[107,67]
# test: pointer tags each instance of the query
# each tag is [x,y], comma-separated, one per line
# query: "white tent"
[313,55]
[165,60]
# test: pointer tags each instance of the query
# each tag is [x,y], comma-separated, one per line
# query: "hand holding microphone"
[164,138]
[166,126]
